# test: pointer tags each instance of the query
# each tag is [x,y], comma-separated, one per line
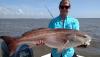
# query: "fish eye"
[85,36]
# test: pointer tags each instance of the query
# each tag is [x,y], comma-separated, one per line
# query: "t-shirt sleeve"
[75,24]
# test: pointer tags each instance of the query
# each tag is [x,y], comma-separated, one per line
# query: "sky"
[46,8]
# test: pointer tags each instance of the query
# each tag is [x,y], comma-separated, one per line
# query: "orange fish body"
[54,38]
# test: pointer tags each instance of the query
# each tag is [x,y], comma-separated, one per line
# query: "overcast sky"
[38,8]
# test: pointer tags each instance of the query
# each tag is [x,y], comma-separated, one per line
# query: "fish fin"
[31,31]
[59,50]
[65,45]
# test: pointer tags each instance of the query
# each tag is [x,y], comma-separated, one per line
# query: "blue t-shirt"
[68,23]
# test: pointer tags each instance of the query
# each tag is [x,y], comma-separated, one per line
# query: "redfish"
[54,38]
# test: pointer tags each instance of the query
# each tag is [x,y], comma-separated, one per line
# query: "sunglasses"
[66,7]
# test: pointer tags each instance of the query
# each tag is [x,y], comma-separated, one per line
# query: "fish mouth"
[85,44]
[82,46]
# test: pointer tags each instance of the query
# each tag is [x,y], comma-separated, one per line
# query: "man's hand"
[40,42]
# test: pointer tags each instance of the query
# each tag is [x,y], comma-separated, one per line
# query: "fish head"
[85,40]
[78,40]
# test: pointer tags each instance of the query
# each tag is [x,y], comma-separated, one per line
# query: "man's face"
[64,7]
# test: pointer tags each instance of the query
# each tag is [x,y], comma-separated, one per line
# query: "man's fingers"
[40,42]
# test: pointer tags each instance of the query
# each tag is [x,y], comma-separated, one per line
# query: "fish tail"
[8,39]
[11,42]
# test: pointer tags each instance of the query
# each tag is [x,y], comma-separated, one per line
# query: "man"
[66,22]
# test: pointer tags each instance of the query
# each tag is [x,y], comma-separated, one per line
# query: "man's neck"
[63,17]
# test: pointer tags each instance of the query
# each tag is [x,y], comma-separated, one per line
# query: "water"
[16,27]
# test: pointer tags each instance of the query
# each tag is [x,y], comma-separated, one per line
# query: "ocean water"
[16,27]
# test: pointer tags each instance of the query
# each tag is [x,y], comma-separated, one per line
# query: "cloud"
[10,11]
[23,12]
[19,12]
